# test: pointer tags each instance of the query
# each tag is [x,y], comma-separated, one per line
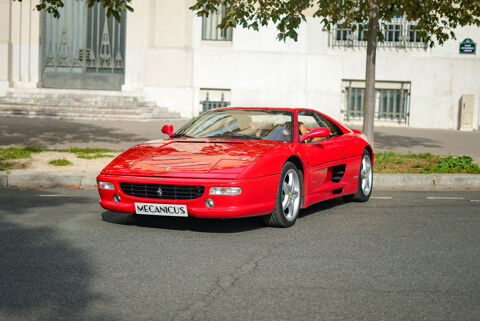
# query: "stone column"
[24,44]
[5,7]
[169,58]
[137,34]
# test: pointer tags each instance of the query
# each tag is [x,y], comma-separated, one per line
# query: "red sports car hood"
[190,158]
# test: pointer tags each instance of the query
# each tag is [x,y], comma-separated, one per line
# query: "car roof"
[267,108]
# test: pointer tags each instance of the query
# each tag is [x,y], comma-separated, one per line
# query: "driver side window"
[334,130]
[307,121]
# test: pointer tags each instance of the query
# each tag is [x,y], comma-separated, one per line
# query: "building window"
[214,98]
[399,33]
[209,27]
[392,100]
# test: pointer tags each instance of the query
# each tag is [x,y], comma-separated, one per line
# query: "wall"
[159,53]
[262,71]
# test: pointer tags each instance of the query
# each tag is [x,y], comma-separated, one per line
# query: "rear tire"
[288,199]
[365,180]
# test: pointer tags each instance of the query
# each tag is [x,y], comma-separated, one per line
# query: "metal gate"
[83,49]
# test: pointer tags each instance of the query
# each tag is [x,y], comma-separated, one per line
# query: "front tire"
[288,199]
[365,180]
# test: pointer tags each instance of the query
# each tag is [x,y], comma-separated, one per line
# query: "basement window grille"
[214,98]
[392,100]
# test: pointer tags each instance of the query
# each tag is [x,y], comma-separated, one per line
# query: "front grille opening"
[163,191]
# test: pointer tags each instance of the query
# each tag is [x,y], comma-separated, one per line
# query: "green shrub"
[460,164]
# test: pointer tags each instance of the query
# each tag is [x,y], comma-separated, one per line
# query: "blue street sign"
[467,46]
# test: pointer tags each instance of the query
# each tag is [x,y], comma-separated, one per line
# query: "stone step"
[77,101]
[67,93]
[77,98]
[86,115]
[67,102]
[81,104]
[81,112]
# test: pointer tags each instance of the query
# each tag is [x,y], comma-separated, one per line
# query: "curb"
[427,181]
[391,181]
[47,179]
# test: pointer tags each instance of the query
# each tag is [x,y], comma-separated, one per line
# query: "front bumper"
[257,197]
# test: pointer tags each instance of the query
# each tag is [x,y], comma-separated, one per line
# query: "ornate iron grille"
[399,33]
[83,48]
[163,191]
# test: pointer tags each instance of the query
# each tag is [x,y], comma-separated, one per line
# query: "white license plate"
[161,209]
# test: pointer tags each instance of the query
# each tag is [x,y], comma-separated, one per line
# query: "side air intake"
[338,172]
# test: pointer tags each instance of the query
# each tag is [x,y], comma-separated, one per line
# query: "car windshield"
[242,124]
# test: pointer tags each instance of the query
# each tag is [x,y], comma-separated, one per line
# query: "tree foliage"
[436,19]
[113,7]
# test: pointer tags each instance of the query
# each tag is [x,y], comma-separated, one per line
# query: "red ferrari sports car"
[237,162]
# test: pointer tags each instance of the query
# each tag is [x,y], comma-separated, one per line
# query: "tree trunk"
[369,103]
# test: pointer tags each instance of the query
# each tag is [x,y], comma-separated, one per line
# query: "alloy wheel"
[366,175]
[291,194]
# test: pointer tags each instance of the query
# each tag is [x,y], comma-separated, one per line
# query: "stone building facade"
[182,62]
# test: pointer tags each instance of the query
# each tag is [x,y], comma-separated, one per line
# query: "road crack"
[223,283]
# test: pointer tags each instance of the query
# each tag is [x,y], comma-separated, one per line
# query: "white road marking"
[443,198]
[475,201]
[382,197]
[55,195]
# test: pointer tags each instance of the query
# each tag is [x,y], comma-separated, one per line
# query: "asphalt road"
[401,256]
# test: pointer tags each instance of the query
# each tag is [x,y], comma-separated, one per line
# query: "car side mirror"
[167,129]
[316,132]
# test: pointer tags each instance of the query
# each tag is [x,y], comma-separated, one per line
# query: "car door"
[324,157]
[350,155]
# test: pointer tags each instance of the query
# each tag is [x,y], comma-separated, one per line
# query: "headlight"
[106,185]
[225,190]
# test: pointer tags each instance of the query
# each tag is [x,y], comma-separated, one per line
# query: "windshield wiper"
[235,136]
[181,135]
